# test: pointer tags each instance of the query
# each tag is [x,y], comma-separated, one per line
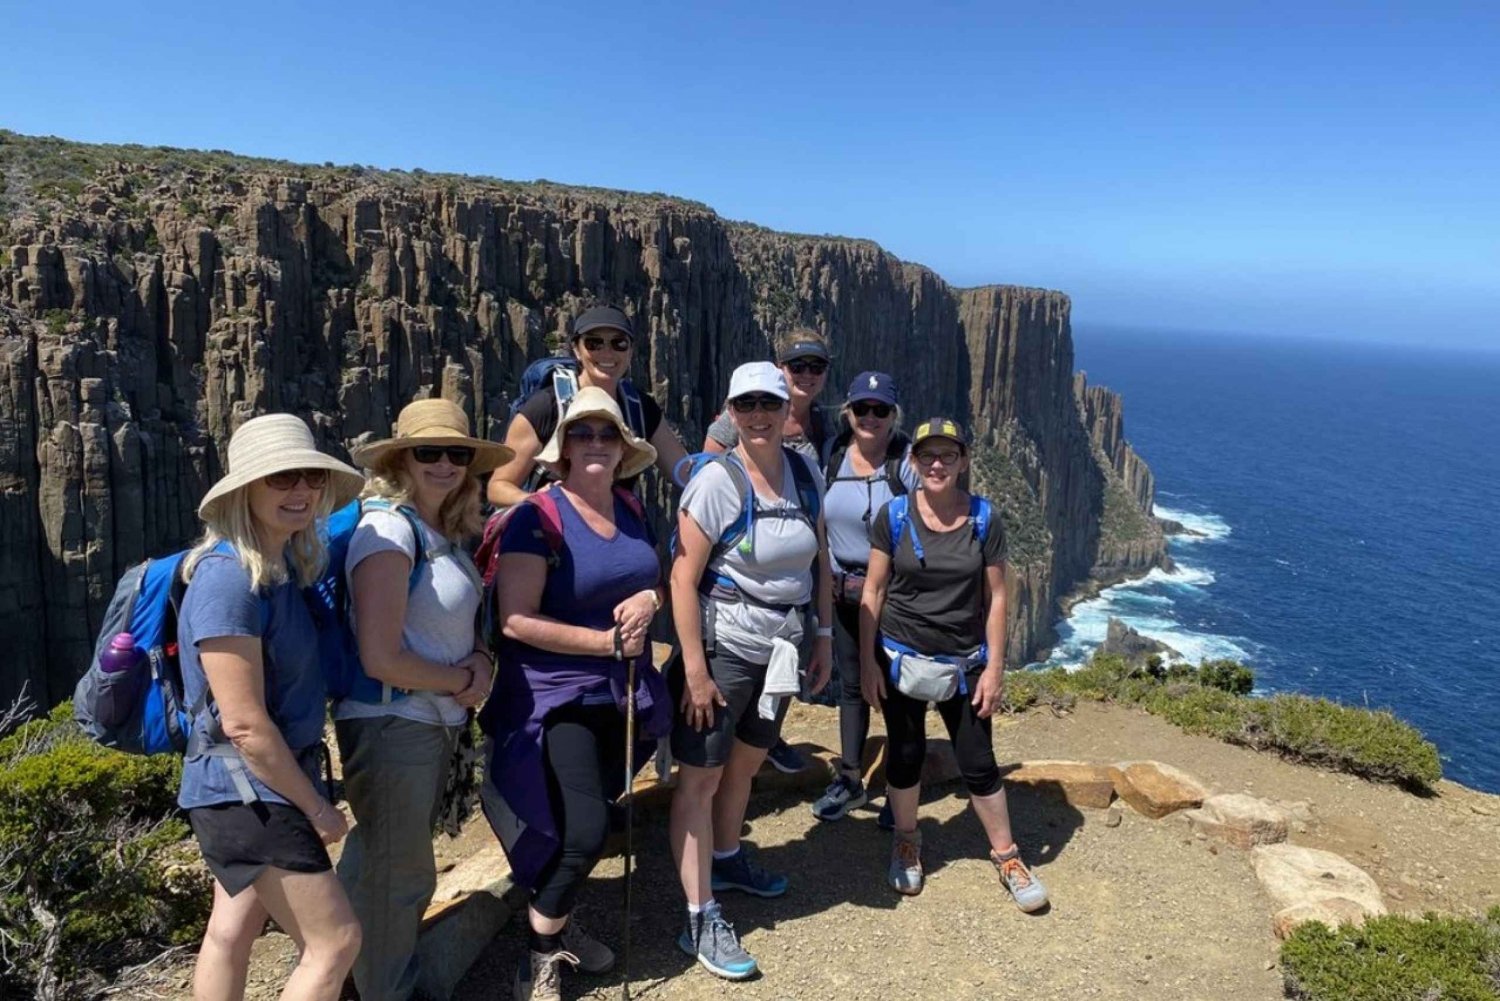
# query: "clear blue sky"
[1302,169]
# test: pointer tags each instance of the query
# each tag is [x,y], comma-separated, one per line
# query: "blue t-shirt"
[593,574]
[220,602]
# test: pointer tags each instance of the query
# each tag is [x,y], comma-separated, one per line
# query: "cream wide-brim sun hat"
[434,422]
[591,401]
[277,443]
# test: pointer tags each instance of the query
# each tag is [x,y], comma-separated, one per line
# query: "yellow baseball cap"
[939,427]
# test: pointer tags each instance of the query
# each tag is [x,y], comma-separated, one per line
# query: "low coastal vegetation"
[1214,699]
[1396,957]
[95,874]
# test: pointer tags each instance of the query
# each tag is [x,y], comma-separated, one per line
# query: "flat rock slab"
[1331,911]
[1080,783]
[1240,820]
[1155,789]
[1309,884]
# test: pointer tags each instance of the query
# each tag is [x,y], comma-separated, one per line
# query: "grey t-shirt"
[777,570]
[820,423]
[852,503]
[440,612]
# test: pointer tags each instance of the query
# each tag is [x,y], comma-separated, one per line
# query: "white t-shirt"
[440,612]
[777,569]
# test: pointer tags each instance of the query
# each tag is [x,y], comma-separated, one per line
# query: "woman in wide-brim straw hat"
[251,778]
[415,595]
[579,583]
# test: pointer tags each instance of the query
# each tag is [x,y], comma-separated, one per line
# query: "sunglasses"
[926,457]
[864,409]
[316,479]
[594,344]
[606,435]
[748,404]
[816,366]
[459,455]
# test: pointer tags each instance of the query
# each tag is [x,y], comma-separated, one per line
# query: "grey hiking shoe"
[711,940]
[593,956]
[1024,887]
[538,977]
[905,871]
[843,794]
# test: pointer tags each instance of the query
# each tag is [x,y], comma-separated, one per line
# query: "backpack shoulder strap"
[803,482]
[981,513]
[549,521]
[898,514]
[635,410]
[420,552]
[738,532]
[564,387]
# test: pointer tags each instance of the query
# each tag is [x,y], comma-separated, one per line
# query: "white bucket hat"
[276,443]
[592,401]
[434,422]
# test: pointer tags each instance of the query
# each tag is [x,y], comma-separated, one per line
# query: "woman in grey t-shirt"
[747,573]
[415,595]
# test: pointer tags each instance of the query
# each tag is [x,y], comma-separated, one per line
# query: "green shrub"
[57,321]
[93,872]
[1394,958]
[1230,675]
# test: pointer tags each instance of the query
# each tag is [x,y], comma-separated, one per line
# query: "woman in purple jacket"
[579,582]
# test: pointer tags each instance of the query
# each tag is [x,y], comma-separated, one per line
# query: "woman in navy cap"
[603,342]
[870,464]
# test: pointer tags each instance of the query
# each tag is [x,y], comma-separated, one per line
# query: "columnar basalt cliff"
[151,300]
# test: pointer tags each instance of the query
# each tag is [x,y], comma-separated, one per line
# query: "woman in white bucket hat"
[250,778]
[415,597]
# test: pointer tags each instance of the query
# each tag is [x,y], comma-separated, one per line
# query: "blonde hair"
[846,411]
[459,517]
[234,523]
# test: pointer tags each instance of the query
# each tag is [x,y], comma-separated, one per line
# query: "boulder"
[1080,783]
[1307,884]
[1240,820]
[1125,641]
[1155,789]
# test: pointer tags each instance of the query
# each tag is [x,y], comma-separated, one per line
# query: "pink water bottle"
[118,687]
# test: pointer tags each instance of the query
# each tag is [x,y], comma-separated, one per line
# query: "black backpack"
[895,456]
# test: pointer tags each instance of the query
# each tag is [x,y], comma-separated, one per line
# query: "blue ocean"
[1348,498]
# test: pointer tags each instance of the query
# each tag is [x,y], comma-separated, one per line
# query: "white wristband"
[825,632]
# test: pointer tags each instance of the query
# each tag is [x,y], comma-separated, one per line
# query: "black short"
[239,841]
[740,682]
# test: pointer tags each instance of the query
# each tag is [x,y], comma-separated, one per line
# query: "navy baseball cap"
[803,349]
[597,317]
[876,386]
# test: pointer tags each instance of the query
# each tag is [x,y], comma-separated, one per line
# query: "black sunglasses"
[816,366]
[608,434]
[459,455]
[864,408]
[748,404]
[592,344]
[316,479]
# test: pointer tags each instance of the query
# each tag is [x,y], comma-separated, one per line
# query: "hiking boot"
[1028,891]
[593,956]
[843,794]
[905,871]
[737,872]
[712,941]
[538,977]
[786,758]
[887,820]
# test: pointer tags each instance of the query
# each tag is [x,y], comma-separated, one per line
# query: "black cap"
[939,427]
[803,349]
[596,317]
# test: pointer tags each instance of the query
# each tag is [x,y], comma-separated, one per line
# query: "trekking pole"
[629,812]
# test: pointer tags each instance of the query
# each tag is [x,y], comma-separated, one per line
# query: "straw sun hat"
[276,443]
[434,422]
[591,401]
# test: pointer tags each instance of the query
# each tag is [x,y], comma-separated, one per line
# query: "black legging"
[906,730]
[583,752]
[854,711]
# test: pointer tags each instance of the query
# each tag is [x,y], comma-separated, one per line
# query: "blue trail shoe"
[737,872]
[843,794]
[786,758]
[711,940]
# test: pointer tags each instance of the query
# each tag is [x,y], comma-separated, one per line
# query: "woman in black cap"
[932,629]
[603,341]
[870,463]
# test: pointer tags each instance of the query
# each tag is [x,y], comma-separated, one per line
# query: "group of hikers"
[808,544]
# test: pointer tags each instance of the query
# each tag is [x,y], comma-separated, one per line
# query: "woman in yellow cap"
[415,597]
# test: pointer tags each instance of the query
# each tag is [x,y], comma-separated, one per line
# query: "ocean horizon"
[1343,497]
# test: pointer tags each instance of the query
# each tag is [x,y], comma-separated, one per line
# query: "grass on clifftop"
[1213,699]
[1395,958]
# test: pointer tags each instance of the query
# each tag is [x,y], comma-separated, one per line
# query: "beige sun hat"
[591,401]
[434,422]
[275,443]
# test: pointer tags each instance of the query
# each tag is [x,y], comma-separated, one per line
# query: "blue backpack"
[141,710]
[329,600]
[562,372]
[740,532]
[898,513]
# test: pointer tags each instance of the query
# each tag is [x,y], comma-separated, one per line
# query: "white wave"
[1208,527]
[1184,576]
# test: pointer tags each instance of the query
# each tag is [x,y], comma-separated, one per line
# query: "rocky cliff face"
[151,300]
